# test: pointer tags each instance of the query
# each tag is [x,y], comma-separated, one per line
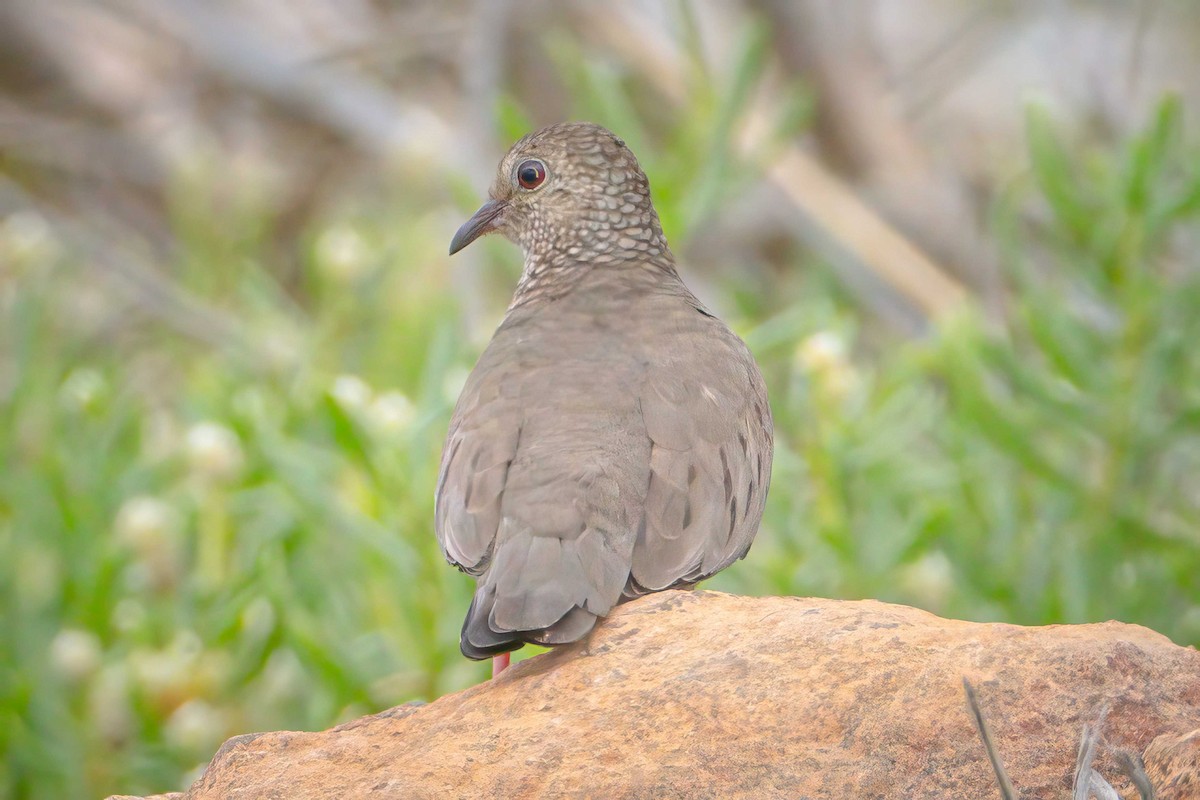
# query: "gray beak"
[483,222]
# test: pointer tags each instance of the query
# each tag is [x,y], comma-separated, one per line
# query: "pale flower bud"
[27,236]
[283,677]
[342,253]
[823,358]
[109,705]
[167,673]
[929,580]
[128,615]
[152,529]
[195,726]
[453,382]
[821,352]
[143,523]
[75,654]
[82,389]
[392,412]
[351,392]
[214,450]
[258,619]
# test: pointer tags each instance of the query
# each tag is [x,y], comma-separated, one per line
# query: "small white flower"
[157,672]
[128,615]
[453,383]
[282,677]
[214,450]
[108,703]
[26,227]
[75,654]
[27,236]
[143,522]
[351,392]
[342,254]
[169,675]
[929,580]
[195,725]
[281,348]
[823,358]
[152,530]
[250,403]
[258,618]
[1189,624]
[841,382]
[82,389]
[392,412]
[821,352]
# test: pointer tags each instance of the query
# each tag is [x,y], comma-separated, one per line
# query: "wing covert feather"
[711,441]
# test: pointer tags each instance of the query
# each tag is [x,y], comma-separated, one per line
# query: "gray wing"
[631,475]
[710,430]
[540,507]
[479,448]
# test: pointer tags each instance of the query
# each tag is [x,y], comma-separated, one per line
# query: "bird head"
[573,190]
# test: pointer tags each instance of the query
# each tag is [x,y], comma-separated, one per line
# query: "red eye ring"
[531,173]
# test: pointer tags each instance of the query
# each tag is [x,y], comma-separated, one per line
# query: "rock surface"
[705,695]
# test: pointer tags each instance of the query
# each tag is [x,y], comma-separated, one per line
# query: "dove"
[614,438]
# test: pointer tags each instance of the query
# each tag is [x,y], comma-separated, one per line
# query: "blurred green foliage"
[200,539]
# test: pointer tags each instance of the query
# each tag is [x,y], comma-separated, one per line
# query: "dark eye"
[531,174]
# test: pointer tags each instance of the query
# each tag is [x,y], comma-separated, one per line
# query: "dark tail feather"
[478,641]
[573,626]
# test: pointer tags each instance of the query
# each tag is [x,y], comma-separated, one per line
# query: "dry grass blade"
[1083,762]
[1097,787]
[1131,765]
[1006,788]
[150,289]
[1083,783]
[852,230]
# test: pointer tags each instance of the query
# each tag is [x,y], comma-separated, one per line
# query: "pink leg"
[500,663]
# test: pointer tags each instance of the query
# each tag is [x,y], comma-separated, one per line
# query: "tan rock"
[705,695]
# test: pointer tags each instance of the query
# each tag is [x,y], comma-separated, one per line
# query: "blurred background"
[960,238]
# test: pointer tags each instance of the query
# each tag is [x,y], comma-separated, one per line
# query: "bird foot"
[500,663]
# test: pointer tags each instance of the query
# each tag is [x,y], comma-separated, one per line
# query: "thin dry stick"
[1006,788]
[367,114]
[1088,782]
[864,235]
[850,230]
[1099,788]
[1083,761]
[1131,764]
[151,290]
